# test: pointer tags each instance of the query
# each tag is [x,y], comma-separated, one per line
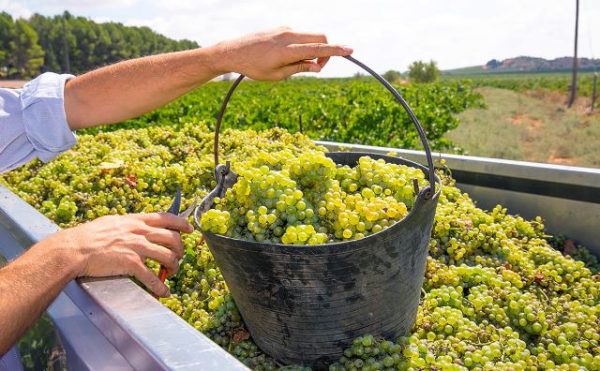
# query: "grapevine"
[342,110]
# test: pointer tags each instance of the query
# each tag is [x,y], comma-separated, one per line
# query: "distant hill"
[527,64]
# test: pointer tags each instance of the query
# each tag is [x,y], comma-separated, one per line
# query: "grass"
[532,127]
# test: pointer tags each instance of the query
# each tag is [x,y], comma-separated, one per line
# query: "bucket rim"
[420,199]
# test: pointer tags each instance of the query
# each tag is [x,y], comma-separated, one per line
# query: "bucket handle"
[427,192]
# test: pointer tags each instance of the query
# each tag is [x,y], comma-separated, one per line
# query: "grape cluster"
[308,200]
[499,292]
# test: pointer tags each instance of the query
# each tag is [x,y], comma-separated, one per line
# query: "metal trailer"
[114,324]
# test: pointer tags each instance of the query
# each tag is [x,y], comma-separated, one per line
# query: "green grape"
[498,292]
[295,184]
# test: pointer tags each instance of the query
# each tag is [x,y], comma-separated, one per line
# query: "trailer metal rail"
[115,324]
[110,323]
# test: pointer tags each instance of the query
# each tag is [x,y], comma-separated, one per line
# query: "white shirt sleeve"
[33,122]
[11,361]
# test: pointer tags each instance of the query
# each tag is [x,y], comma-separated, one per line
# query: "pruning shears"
[226,178]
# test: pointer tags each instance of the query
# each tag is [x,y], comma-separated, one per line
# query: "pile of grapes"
[308,200]
[499,293]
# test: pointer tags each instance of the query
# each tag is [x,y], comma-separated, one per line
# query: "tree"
[46,34]
[28,55]
[7,45]
[494,63]
[423,72]
[358,75]
[392,75]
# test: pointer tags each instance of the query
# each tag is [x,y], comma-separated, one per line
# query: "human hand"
[277,54]
[119,245]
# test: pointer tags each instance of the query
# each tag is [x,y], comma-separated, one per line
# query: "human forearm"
[107,246]
[131,88]
[128,89]
[28,285]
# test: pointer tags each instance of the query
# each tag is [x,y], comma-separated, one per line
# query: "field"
[519,116]
[498,292]
[343,110]
[512,116]
[525,118]
[530,81]
[532,126]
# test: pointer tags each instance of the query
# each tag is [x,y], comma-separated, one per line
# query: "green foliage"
[7,35]
[392,76]
[423,72]
[65,43]
[343,110]
[28,56]
[20,54]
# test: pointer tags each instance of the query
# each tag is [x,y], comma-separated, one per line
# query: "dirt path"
[533,126]
[12,83]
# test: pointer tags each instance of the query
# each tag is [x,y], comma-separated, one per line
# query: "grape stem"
[547,299]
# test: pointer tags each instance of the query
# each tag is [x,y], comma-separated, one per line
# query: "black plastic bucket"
[305,304]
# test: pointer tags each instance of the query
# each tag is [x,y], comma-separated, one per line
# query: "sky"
[385,34]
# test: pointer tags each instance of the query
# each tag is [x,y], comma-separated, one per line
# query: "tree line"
[70,44]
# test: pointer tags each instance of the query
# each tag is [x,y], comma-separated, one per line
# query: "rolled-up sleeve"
[33,122]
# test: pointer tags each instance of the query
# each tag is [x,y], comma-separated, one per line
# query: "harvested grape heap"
[499,293]
[307,199]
